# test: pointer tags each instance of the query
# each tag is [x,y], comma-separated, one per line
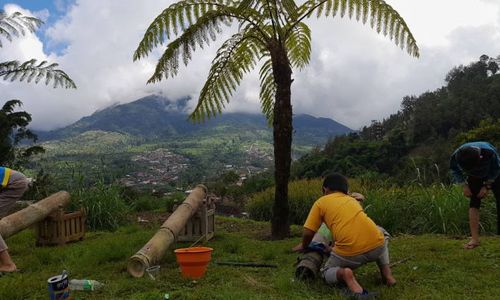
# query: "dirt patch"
[227,210]
[149,218]
[258,231]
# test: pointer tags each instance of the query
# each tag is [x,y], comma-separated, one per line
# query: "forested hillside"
[157,118]
[414,144]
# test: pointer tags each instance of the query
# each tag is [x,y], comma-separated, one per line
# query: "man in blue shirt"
[477,166]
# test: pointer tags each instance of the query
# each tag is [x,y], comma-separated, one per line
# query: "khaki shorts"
[336,261]
[18,184]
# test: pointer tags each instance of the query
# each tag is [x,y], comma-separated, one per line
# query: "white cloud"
[355,75]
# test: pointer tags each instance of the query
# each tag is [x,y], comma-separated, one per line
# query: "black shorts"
[475,185]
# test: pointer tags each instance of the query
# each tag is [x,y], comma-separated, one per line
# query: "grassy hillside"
[97,154]
[440,269]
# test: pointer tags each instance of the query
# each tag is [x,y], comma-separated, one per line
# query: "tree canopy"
[271,35]
[414,144]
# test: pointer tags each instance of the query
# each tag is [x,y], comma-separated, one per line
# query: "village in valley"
[159,167]
[162,167]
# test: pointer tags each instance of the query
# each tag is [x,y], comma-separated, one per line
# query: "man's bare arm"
[307,237]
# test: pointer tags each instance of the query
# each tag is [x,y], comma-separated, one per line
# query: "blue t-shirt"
[488,168]
[4,176]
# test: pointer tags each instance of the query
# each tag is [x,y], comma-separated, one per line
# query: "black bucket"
[59,287]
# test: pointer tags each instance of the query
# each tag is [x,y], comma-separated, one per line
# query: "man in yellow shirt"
[358,240]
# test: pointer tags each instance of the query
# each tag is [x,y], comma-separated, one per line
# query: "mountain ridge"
[158,117]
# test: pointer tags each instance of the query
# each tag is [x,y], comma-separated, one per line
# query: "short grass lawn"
[439,269]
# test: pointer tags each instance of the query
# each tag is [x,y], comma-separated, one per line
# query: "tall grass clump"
[105,208]
[301,196]
[416,209]
[413,209]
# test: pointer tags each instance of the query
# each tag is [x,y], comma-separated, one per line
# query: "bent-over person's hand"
[298,248]
[482,193]
[359,197]
[467,192]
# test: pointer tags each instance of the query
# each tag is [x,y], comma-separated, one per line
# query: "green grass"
[441,269]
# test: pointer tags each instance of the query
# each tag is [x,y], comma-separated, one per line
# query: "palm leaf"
[167,23]
[9,106]
[14,25]
[29,70]
[198,34]
[237,56]
[383,18]
[182,15]
[298,44]
[267,90]
[291,9]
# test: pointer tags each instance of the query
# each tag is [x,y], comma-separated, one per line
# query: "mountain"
[155,117]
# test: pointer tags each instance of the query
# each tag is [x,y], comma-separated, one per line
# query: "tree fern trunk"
[282,137]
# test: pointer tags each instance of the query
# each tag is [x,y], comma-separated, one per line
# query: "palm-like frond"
[31,70]
[9,118]
[9,106]
[182,15]
[290,8]
[298,44]
[267,90]
[383,18]
[15,25]
[237,56]
[167,24]
[199,34]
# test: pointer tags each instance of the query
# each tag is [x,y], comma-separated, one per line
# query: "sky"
[355,75]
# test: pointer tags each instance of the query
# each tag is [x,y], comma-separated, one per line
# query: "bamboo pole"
[155,248]
[32,214]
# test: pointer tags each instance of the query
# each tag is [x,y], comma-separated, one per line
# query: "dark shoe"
[363,295]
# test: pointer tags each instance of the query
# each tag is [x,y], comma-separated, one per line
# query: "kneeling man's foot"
[8,268]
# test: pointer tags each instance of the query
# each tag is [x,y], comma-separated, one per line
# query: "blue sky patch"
[50,11]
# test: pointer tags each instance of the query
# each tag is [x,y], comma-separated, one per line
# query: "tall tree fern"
[272,35]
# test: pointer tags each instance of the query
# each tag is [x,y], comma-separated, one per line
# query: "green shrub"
[413,209]
[147,203]
[416,209]
[302,195]
[106,209]
[150,202]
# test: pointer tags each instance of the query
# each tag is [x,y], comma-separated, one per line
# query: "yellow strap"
[6,177]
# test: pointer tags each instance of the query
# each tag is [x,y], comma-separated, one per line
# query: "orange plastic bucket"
[193,261]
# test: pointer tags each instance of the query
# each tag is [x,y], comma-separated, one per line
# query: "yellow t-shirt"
[355,233]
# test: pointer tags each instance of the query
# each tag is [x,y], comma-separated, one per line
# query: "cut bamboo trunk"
[151,253]
[32,214]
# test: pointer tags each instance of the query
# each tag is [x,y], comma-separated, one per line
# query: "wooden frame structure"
[60,228]
[201,224]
